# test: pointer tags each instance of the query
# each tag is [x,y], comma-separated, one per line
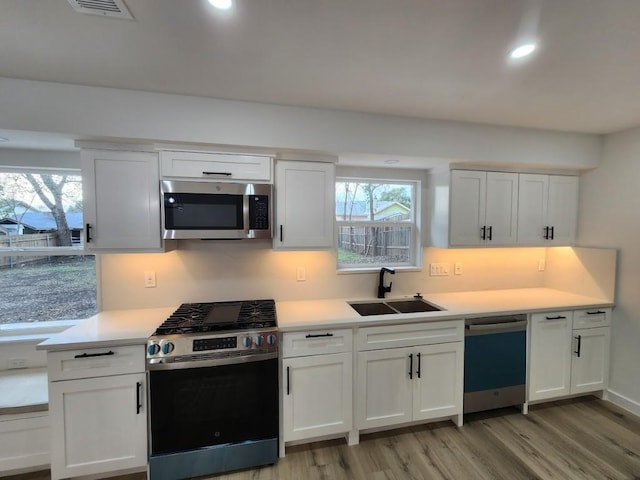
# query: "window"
[44,274]
[376,223]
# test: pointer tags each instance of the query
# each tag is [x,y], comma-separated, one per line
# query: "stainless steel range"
[213,389]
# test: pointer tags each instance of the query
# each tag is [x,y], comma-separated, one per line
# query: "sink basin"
[373,308]
[412,306]
[393,307]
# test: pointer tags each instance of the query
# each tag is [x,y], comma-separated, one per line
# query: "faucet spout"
[382,290]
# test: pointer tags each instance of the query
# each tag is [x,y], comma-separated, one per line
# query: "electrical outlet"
[301,274]
[457,268]
[541,265]
[149,279]
[17,363]
[438,269]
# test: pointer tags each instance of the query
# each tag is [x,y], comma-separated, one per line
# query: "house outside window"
[44,274]
[376,223]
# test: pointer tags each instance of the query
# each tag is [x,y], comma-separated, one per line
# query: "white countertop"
[300,315]
[110,328]
[133,327]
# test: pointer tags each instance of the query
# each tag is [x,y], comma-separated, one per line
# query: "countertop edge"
[82,344]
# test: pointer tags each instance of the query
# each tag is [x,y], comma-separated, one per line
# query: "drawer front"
[392,336]
[218,167]
[316,342]
[592,318]
[95,362]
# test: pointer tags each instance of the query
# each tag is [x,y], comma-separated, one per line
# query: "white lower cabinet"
[550,357]
[317,384]
[317,398]
[401,385]
[569,353]
[407,384]
[590,360]
[98,424]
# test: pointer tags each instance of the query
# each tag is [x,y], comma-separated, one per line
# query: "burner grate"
[219,316]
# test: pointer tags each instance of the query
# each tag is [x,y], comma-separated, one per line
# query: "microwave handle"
[224,174]
[245,213]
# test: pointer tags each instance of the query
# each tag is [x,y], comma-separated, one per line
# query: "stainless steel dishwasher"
[495,351]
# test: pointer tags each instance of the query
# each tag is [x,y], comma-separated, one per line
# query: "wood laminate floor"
[584,438]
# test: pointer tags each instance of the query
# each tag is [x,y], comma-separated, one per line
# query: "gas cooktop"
[219,316]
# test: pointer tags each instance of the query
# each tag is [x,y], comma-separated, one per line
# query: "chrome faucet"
[381,288]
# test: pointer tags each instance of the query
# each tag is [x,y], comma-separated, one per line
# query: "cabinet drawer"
[215,166]
[592,318]
[95,362]
[316,342]
[391,336]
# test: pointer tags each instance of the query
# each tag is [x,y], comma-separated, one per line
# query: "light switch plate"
[438,269]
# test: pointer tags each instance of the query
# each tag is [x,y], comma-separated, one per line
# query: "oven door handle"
[163,364]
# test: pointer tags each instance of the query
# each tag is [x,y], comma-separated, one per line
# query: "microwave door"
[202,216]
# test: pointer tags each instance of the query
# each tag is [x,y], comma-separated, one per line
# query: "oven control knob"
[168,348]
[258,341]
[153,348]
[246,342]
[271,339]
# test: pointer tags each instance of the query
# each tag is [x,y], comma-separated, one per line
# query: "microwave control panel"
[259,212]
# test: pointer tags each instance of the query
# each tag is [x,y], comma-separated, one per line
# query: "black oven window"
[199,407]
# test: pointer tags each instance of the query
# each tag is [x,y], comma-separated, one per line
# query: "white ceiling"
[441,59]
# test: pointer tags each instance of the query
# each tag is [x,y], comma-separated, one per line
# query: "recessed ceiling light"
[222,4]
[523,50]
[391,161]
[2,139]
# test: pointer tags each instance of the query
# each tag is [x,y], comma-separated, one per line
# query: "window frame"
[415,256]
[26,330]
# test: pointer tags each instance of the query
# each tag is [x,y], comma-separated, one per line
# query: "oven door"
[198,407]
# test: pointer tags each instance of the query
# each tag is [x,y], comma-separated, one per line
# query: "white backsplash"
[231,270]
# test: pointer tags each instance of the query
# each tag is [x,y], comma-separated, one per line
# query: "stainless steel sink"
[393,307]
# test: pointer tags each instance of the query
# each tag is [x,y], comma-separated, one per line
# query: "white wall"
[227,270]
[610,216]
[39,158]
[126,114]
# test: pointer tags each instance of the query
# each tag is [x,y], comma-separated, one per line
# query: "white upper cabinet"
[547,209]
[484,208]
[220,167]
[471,208]
[121,201]
[305,201]
[562,212]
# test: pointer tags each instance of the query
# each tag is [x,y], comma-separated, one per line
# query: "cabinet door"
[468,206]
[501,219]
[219,167]
[550,355]
[562,214]
[533,194]
[590,359]
[304,205]
[438,383]
[317,395]
[97,425]
[121,200]
[384,388]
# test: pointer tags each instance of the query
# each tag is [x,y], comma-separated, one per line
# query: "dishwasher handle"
[497,327]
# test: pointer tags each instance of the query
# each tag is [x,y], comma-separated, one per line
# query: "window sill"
[29,332]
[356,270]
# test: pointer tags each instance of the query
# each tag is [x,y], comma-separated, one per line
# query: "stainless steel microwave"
[216,210]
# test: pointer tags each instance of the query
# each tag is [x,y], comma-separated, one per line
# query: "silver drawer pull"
[599,312]
[318,335]
[559,317]
[224,174]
